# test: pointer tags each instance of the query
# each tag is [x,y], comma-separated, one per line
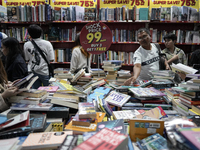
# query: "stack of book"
[32,96]
[163,74]
[98,73]
[111,66]
[123,75]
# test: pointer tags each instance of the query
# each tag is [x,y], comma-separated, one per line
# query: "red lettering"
[92,4]
[132,2]
[82,2]
[169,2]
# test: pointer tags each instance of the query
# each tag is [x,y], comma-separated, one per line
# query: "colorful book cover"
[142,128]
[146,92]
[51,89]
[192,135]
[45,139]
[155,141]
[155,113]
[116,125]
[117,99]
[107,139]
[20,120]
[99,91]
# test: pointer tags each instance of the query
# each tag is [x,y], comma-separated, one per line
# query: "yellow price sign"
[67,3]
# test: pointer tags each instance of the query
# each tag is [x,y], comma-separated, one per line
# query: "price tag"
[96,37]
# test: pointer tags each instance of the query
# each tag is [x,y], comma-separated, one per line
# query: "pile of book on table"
[102,115]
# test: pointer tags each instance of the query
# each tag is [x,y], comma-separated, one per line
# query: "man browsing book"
[146,58]
[36,62]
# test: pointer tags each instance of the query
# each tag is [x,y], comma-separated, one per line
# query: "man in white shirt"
[37,64]
[146,58]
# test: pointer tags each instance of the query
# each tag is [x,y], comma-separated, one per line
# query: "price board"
[123,3]
[179,3]
[67,3]
[6,3]
[96,37]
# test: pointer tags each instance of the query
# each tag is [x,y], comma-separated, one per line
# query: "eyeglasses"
[142,38]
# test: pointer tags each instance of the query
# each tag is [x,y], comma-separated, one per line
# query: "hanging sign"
[6,3]
[178,3]
[67,3]
[123,3]
[96,37]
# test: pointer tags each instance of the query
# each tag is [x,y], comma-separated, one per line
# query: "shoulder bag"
[43,56]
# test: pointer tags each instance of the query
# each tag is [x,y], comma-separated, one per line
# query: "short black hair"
[170,36]
[144,30]
[35,31]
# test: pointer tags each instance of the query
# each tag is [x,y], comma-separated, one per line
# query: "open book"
[183,68]
[26,83]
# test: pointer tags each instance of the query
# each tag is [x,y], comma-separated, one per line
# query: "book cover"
[51,89]
[99,91]
[20,120]
[155,113]
[57,13]
[81,129]
[3,13]
[192,135]
[155,141]
[117,98]
[28,84]
[38,122]
[38,107]
[115,125]
[86,110]
[174,13]
[71,141]
[12,13]
[142,128]
[107,139]
[23,80]
[126,115]
[45,140]
[143,13]
[146,92]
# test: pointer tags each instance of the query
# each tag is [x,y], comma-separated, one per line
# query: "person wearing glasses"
[146,58]
[173,54]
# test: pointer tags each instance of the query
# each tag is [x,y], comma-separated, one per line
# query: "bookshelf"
[126,26]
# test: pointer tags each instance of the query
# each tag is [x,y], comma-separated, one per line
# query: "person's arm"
[136,70]
[167,65]
[175,57]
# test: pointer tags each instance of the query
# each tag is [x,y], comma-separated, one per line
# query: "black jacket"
[18,69]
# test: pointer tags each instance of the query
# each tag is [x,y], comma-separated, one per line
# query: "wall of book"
[62,19]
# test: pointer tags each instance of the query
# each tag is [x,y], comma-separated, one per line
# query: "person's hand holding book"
[9,92]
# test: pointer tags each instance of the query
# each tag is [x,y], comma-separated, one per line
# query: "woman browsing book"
[15,64]
[80,57]
[6,91]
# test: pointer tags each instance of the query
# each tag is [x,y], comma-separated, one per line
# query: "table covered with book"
[96,112]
